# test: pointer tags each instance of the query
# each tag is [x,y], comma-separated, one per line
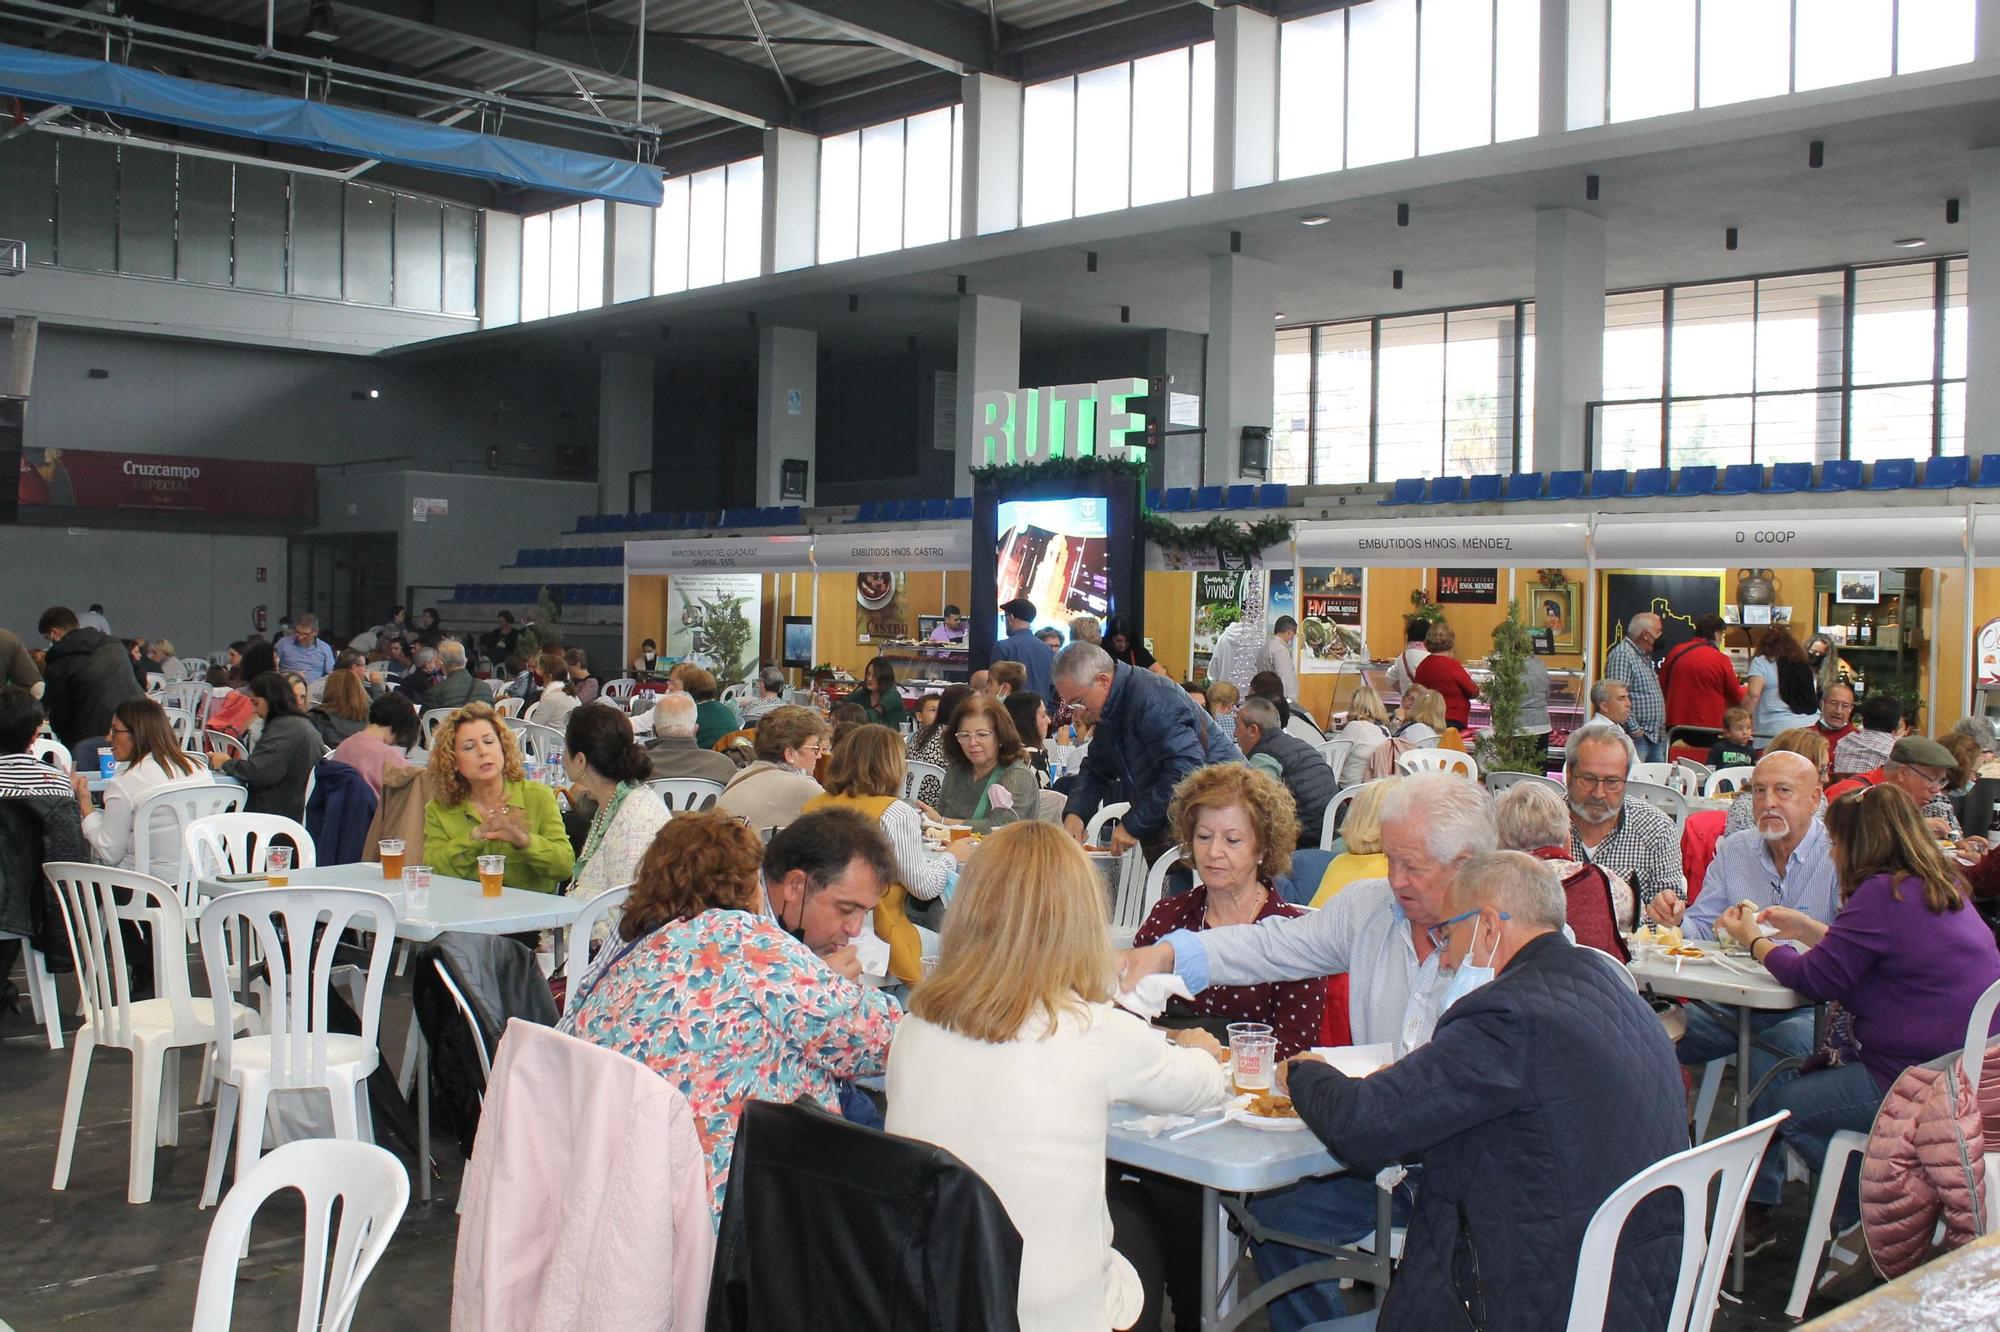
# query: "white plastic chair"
[1094,831]
[1726,781]
[1304,727]
[1049,806]
[159,829]
[187,728]
[1127,913]
[238,843]
[601,909]
[1437,760]
[471,1026]
[191,697]
[430,719]
[914,773]
[225,744]
[537,743]
[1663,798]
[1659,774]
[1496,782]
[1847,1144]
[684,795]
[1336,809]
[301,1051]
[1336,753]
[1156,880]
[151,1029]
[620,689]
[372,1188]
[1704,1255]
[42,996]
[509,707]
[47,749]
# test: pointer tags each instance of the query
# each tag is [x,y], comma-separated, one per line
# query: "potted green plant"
[1502,747]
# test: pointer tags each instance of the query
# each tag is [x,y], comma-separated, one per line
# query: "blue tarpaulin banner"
[101,86]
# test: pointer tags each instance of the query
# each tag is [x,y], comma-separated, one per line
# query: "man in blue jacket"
[1020,644]
[1547,1085]
[1150,734]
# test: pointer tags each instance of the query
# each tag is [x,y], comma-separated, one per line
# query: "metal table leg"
[423,1111]
[1743,1084]
[1210,1213]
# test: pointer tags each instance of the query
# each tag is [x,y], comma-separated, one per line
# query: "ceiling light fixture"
[321,26]
[1909,243]
[1314,220]
[1279,315]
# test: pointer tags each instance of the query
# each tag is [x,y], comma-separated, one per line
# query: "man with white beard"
[1610,829]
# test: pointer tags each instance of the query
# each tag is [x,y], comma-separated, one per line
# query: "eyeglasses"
[1591,783]
[116,729]
[1440,933]
[965,736]
[812,749]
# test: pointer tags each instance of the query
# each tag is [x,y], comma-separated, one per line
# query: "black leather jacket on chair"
[832,1226]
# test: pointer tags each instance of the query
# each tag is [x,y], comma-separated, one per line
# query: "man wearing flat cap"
[1020,644]
[1923,768]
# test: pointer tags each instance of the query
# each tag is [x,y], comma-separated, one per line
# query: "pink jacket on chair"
[1925,1163]
[586,1200]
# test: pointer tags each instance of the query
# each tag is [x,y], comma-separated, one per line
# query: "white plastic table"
[456,904]
[1734,982]
[98,781]
[1236,1160]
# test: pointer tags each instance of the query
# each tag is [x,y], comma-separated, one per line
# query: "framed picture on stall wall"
[1554,610]
[1857,587]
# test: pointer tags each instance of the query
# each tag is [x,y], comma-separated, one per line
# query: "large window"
[1395,79]
[1399,396]
[709,227]
[1131,134]
[562,260]
[1861,363]
[890,186]
[1674,55]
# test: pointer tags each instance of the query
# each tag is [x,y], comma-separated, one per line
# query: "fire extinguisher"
[261,617]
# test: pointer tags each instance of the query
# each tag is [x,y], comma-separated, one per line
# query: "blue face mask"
[1467,977]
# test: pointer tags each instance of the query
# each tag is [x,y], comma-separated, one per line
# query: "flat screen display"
[1056,553]
[799,642]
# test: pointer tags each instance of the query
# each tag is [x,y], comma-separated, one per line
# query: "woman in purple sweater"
[1905,955]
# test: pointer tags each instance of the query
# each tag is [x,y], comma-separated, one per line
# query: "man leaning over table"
[1377,931]
[1546,1086]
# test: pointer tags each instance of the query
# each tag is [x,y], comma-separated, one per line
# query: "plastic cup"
[492,872]
[107,764]
[391,849]
[416,888]
[1251,1061]
[278,867]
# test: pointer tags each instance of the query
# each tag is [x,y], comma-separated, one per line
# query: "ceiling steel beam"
[930,31]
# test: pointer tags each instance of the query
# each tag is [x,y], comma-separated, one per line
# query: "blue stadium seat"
[1648,482]
[1409,490]
[788,515]
[1607,483]
[961,506]
[1522,486]
[611,595]
[1566,485]
[1893,474]
[1179,499]
[1789,478]
[1153,501]
[1445,490]
[866,514]
[1207,498]
[458,592]
[1242,497]
[1945,473]
[1989,470]
[1275,495]
[1741,479]
[936,510]
[910,511]
[1484,488]
[1696,480]
[571,557]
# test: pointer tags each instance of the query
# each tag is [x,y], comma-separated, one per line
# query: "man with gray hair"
[1631,664]
[674,751]
[770,694]
[459,686]
[1381,933]
[1626,836]
[1303,769]
[1150,734]
[422,677]
[1612,701]
[304,651]
[1547,1085]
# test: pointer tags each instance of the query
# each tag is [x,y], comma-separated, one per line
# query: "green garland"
[1226,536]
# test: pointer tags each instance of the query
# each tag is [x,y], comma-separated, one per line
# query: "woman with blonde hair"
[1422,717]
[1011,1058]
[1361,832]
[1367,727]
[342,709]
[485,805]
[866,775]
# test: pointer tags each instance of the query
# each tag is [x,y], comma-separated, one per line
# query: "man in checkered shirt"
[1608,828]
[1631,664]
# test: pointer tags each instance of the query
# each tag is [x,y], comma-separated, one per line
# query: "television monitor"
[1056,553]
[799,642]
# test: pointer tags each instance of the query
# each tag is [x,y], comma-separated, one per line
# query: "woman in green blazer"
[486,806]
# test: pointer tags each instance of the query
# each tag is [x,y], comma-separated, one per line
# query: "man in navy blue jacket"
[1150,734]
[1548,1084]
[1020,644]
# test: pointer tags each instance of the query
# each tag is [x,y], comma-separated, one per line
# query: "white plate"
[1265,1125]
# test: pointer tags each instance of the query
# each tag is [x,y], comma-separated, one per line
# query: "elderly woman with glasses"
[987,781]
[774,789]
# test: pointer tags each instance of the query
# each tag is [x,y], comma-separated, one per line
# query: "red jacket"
[1699,682]
[1441,671]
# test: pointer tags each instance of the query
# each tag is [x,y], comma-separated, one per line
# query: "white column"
[1242,348]
[989,358]
[991,121]
[1246,98]
[791,200]
[787,407]
[1986,29]
[628,252]
[624,426]
[499,268]
[1574,59]
[1569,333]
[1982,364]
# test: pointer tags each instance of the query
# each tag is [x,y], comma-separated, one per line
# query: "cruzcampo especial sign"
[1033,425]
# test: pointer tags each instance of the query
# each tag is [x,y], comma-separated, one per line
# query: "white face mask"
[1468,977]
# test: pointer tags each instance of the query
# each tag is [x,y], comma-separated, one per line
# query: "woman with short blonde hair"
[1361,836]
[1012,1056]
[1366,730]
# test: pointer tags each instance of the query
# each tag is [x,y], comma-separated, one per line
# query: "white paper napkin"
[1149,997]
[1154,1125]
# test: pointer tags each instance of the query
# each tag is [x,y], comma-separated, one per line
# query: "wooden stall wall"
[1956,677]
[928,590]
[1170,619]
[645,614]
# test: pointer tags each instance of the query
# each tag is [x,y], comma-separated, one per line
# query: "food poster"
[713,620]
[1282,599]
[882,608]
[1330,629]
[1218,603]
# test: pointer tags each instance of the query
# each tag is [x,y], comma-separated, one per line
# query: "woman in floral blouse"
[719,999]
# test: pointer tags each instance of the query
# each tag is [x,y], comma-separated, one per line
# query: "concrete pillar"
[1985,29]
[628,252]
[1826,415]
[1176,363]
[787,410]
[1569,333]
[1982,299]
[499,268]
[624,428]
[791,200]
[989,358]
[1575,59]
[1246,98]
[991,120]
[1242,301]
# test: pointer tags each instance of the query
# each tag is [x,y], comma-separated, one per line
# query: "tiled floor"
[85,1259]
